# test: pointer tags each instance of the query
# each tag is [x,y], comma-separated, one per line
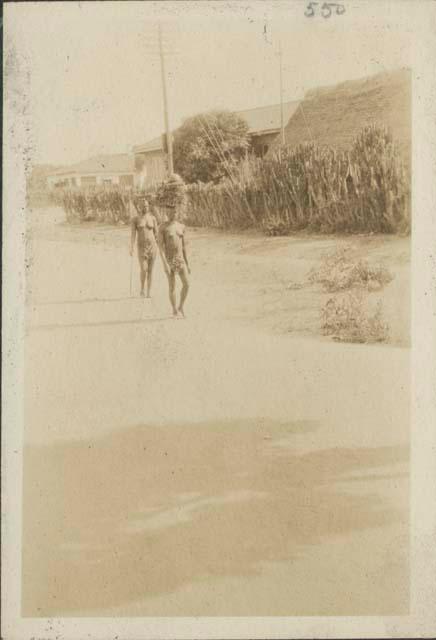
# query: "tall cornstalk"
[366,189]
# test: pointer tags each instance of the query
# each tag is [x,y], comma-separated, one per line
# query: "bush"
[346,319]
[339,271]
[113,205]
[276,228]
[208,145]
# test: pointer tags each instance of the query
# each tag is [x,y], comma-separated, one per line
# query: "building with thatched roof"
[335,115]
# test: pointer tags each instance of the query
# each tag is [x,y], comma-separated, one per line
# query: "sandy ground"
[233,463]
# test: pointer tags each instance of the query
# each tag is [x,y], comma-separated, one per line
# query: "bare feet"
[142,294]
[182,312]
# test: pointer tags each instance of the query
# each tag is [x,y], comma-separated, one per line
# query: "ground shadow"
[148,509]
[100,323]
[43,303]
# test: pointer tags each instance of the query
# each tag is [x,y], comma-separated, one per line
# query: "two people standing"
[169,241]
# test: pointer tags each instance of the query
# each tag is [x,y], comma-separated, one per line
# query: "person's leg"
[143,275]
[150,267]
[172,291]
[185,288]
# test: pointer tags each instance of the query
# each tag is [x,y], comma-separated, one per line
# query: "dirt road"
[233,463]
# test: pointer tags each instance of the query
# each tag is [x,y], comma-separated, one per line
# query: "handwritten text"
[325,9]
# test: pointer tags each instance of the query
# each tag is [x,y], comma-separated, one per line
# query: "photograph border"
[421,622]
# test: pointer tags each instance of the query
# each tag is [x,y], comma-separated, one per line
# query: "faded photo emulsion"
[216,400]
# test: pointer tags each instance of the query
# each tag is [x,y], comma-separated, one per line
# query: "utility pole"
[165,100]
[282,124]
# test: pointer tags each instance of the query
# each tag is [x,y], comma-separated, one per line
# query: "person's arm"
[185,255]
[155,228]
[133,236]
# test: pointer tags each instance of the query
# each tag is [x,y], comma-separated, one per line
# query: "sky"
[93,79]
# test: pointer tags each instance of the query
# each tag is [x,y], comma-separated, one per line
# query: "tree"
[207,146]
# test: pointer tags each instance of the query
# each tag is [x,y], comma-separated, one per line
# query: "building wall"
[127,180]
[62,181]
[260,144]
[150,168]
[89,180]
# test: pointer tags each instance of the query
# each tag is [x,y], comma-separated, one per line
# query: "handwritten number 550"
[326,9]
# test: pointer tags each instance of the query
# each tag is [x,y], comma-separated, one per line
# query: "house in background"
[37,189]
[150,162]
[335,115]
[264,124]
[108,169]
[37,179]
[263,128]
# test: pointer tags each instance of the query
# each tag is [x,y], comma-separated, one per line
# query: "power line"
[156,39]
[165,99]
[214,146]
[156,45]
[282,125]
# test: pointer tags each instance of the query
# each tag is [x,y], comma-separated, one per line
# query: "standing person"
[144,227]
[174,256]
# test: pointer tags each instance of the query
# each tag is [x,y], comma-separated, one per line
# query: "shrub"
[113,205]
[345,318]
[208,145]
[339,271]
[276,228]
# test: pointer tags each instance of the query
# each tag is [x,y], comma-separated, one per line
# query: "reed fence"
[365,189]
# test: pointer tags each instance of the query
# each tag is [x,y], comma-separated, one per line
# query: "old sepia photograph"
[216,405]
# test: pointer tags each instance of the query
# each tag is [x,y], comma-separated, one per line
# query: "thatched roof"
[335,115]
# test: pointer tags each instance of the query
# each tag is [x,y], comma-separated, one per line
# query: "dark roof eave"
[264,132]
[62,174]
[104,172]
[140,149]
